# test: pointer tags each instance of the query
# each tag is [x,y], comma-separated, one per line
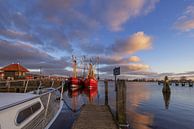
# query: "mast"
[84,65]
[74,66]
[98,62]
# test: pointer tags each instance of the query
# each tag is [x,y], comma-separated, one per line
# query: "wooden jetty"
[95,117]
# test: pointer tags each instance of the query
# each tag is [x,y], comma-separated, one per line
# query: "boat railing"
[51,101]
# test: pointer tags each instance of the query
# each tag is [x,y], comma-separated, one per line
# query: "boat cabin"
[18,109]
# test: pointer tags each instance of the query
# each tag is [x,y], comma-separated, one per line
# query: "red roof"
[14,67]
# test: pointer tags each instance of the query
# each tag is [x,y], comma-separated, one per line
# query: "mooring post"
[8,85]
[166,88]
[121,103]
[191,84]
[115,83]
[106,92]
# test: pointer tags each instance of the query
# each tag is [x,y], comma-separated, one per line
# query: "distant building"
[14,71]
[1,75]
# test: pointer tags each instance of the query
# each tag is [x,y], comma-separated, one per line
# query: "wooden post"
[183,83]
[121,103]
[8,85]
[166,88]
[106,92]
[26,87]
[190,84]
[115,82]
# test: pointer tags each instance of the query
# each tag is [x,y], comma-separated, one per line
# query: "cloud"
[138,67]
[136,42]
[32,31]
[19,51]
[127,68]
[51,25]
[92,48]
[30,57]
[186,21]
[116,12]
[19,35]
[134,59]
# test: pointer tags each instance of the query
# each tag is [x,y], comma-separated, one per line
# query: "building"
[14,71]
[1,75]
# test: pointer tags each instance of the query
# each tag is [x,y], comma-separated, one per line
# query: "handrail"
[4,81]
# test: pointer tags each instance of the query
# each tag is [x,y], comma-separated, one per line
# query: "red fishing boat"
[91,81]
[74,81]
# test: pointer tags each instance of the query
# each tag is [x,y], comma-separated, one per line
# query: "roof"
[15,67]
[11,99]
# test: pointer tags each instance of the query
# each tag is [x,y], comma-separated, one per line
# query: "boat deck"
[95,117]
[11,99]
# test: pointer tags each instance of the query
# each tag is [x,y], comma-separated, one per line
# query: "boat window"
[36,107]
[27,112]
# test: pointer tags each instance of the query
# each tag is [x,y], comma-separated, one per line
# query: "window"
[27,112]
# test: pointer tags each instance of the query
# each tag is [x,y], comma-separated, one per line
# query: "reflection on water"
[73,94]
[166,97]
[136,94]
[145,105]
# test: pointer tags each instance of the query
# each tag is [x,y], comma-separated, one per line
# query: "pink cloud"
[119,12]
[134,59]
[186,21]
[138,67]
[136,42]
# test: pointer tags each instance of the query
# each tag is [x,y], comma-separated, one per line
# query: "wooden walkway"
[95,117]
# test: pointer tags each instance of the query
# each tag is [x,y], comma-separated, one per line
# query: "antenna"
[98,62]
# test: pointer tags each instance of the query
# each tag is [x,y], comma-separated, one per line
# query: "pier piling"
[121,104]
[166,88]
[106,92]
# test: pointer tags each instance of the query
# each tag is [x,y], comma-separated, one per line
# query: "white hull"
[30,111]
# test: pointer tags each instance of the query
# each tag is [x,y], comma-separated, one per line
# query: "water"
[146,106]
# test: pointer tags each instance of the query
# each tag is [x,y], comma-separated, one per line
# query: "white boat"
[32,110]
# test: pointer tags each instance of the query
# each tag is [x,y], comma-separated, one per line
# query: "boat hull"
[74,82]
[90,83]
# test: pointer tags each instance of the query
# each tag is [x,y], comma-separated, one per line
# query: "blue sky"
[147,38]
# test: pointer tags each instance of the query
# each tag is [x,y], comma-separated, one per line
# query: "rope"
[70,107]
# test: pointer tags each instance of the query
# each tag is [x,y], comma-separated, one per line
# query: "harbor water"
[146,106]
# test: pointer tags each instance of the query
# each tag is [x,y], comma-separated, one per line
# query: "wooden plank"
[95,117]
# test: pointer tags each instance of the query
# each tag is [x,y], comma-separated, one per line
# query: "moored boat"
[74,81]
[90,81]
[33,110]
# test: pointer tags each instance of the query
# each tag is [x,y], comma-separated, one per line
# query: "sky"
[146,38]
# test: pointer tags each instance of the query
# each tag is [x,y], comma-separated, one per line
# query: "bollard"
[166,88]
[176,84]
[190,84]
[106,92]
[121,103]
[183,83]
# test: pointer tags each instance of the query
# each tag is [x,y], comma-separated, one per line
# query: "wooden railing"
[23,86]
